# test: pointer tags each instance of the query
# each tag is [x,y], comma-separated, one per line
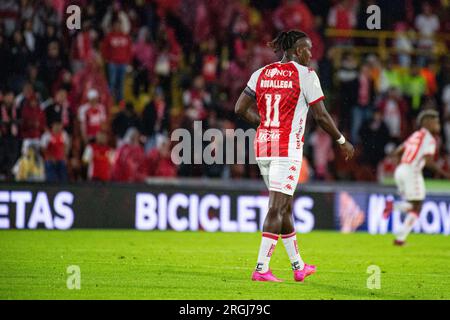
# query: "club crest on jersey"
[277,72]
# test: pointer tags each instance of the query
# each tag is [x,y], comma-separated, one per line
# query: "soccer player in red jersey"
[284,91]
[416,153]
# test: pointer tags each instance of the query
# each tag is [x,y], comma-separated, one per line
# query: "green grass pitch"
[198,265]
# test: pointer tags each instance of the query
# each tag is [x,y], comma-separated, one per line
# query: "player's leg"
[289,238]
[288,172]
[411,218]
[415,194]
[271,230]
[390,203]
[269,240]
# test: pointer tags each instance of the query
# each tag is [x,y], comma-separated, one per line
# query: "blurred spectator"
[233,79]
[30,166]
[18,62]
[55,144]
[130,163]
[159,162]
[91,115]
[5,58]
[414,87]
[38,85]
[347,78]
[116,12]
[57,110]
[427,24]
[9,134]
[52,64]
[98,156]
[293,14]
[153,119]
[33,118]
[446,115]
[363,108]
[90,77]
[117,51]
[305,171]
[322,153]
[374,135]
[403,44]
[124,120]
[144,61]
[342,17]
[196,100]
[82,47]
[390,78]
[394,108]
[430,79]
[210,62]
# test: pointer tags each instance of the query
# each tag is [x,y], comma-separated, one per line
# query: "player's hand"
[348,150]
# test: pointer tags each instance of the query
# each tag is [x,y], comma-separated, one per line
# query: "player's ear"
[298,51]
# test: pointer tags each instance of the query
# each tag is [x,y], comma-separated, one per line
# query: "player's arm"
[324,120]
[397,153]
[245,108]
[432,165]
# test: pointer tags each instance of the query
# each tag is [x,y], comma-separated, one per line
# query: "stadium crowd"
[100,103]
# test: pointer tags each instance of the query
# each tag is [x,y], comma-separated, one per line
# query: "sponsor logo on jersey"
[277,72]
[267,136]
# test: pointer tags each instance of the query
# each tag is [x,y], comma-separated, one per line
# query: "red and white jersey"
[283,93]
[420,144]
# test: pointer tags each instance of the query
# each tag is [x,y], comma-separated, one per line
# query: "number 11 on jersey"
[275,122]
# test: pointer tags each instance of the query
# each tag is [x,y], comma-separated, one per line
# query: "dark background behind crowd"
[100,103]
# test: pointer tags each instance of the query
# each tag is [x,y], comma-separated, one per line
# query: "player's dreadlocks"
[425,114]
[286,40]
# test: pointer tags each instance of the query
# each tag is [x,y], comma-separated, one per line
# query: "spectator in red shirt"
[342,17]
[293,14]
[33,119]
[196,100]
[98,156]
[82,47]
[92,115]
[159,161]
[393,107]
[117,51]
[55,144]
[129,163]
[143,61]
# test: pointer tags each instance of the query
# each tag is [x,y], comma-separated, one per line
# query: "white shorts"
[410,182]
[280,174]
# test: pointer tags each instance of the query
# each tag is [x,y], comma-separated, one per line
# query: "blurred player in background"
[416,153]
[284,91]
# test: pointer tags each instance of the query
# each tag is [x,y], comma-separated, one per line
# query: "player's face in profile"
[435,126]
[304,52]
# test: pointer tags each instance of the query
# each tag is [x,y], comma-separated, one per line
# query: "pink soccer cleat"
[399,243]
[388,207]
[267,276]
[300,275]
